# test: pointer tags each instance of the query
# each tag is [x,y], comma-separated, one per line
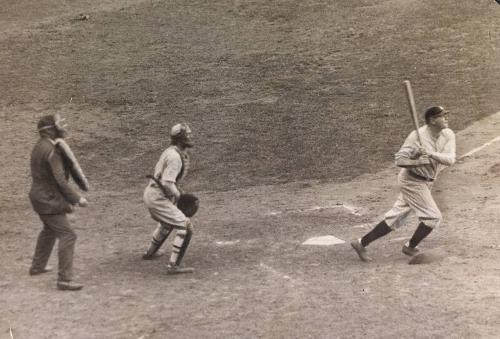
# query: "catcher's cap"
[179,129]
[434,111]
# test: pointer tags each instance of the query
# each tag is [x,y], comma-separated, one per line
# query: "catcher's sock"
[378,231]
[421,232]
[177,246]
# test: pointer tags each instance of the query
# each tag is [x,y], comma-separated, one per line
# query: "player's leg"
[181,242]
[160,234]
[428,214]
[185,244]
[422,231]
[169,215]
[392,219]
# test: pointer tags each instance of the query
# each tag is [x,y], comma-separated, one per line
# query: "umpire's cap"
[46,122]
[433,112]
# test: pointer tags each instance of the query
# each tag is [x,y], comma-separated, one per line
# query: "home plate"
[325,240]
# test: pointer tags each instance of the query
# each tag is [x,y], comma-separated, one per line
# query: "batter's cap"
[434,111]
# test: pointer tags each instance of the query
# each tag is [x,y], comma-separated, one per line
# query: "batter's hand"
[422,151]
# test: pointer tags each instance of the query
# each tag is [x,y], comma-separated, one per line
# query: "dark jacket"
[50,191]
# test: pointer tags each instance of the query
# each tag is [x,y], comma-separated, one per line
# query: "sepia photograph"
[249,169]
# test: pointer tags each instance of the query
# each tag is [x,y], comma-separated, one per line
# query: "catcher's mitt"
[188,203]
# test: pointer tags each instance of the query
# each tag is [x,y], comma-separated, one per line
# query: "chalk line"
[276,272]
[351,209]
[228,242]
[477,149]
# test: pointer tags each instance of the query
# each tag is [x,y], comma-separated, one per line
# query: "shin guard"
[184,246]
[159,236]
[180,237]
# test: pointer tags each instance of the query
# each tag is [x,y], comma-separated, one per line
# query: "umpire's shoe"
[149,256]
[68,286]
[360,250]
[175,269]
[37,271]
[411,251]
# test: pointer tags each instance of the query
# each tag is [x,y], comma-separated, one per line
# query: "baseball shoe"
[360,250]
[419,258]
[175,269]
[69,286]
[411,251]
[37,271]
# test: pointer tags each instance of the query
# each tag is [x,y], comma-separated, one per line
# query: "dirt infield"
[297,108]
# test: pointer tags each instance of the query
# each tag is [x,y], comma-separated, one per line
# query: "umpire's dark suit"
[52,197]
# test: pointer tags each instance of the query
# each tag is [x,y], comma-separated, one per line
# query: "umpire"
[52,198]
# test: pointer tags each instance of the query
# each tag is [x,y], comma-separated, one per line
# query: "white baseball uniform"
[171,167]
[416,183]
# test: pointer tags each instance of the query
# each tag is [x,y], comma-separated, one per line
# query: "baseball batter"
[438,143]
[161,202]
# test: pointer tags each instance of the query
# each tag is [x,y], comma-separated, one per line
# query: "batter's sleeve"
[409,147]
[448,155]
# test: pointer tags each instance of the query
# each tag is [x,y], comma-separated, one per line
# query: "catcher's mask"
[52,123]
[180,134]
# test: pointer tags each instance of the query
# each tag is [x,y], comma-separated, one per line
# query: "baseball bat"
[413,110]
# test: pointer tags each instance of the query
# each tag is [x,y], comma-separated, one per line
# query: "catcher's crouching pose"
[167,205]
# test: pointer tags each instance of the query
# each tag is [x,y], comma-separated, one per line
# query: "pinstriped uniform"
[415,192]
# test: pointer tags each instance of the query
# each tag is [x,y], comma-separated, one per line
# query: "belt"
[417,176]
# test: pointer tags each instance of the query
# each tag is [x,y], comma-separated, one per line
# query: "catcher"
[165,202]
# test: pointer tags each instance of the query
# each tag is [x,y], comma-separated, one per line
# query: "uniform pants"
[56,226]
[415,196]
